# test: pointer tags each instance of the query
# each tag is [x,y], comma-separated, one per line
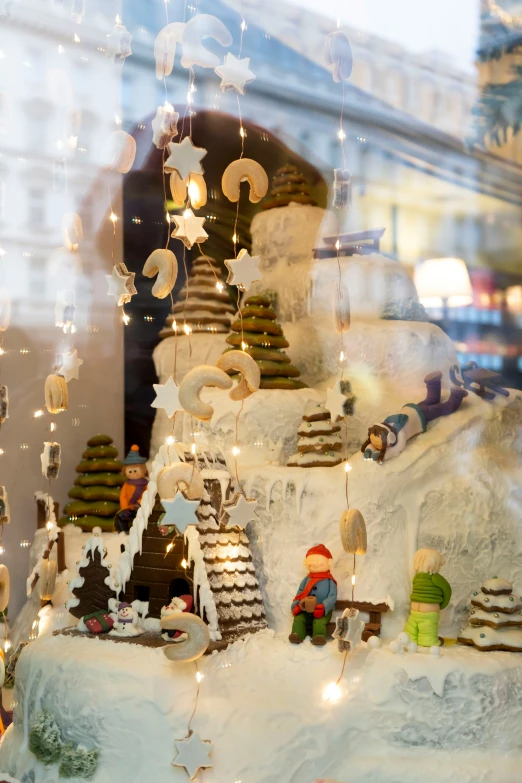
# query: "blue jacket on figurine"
[324,591]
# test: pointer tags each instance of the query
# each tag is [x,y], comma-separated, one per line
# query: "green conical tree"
[288,185]
[96,492]
[258,333]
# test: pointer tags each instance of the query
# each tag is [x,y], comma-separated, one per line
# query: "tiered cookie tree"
[257,332]
[495,621]
[288,184]
[204,303]
[319,440]
[95,495]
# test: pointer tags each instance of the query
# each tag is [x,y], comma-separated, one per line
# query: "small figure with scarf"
[136,474]
[314,603]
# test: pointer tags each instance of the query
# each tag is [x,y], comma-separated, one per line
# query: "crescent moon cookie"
[47,581]
[241,362]
[192,384]
[4,587]
[172,476]
[120,152]
[162,263]
[56,394]
[197,636]
[353,532]
[245,170]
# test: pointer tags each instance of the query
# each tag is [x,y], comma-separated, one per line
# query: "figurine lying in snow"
[388,439]
[183,603]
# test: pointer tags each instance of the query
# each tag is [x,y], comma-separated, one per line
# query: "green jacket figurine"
[430,593]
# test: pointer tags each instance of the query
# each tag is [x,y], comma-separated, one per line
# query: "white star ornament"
[70,366]
[164,125]
[180,512]
[235,73]
[243,270]
[189,228]
[184,158]
[121,284]
[167,397]
[240,510]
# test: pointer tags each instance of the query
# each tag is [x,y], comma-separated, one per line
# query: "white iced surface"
[285,238]
[486,637]
[455,488]
[399,718]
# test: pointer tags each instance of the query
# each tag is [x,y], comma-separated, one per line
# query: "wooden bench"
[375,611]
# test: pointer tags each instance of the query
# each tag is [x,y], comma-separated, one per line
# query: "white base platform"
[400,718]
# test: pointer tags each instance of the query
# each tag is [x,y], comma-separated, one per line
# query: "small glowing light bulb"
[243,25]
[338,245]
[189,97]
[193,191]
[7,645]
[342,134]
[53,426]
[186,214]
[242,132]
[244,346]
[338,23]
[49,526]
[2,550]
[184,563]
[347,467]
[235,450]
[113,217]
[61,50]
[126,319]
[219,286]
[234,238]
[193,448]
[187,329]
[117,119]
[76,38]
[170,440]
[37,414]
[2,351]
[332,692]
[353,579]
[341,356]
[118,19]
[169,547]
[174,326]
[199,676]
[167,217]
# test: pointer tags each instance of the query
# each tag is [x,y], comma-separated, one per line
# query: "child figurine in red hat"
[315,600]
[136,480]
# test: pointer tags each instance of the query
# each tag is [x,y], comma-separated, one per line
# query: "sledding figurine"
[136,475]
[314,603]
[127,621]
[388,439]
[182,603]
[430,594]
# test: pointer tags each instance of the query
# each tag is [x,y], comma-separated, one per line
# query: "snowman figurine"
[126,623]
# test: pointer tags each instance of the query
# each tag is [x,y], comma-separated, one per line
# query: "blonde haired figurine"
[430,593]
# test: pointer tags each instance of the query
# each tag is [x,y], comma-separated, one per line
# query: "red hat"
[320,549]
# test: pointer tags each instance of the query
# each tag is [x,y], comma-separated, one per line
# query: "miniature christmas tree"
[257,332]
[96,492]
[204,302]
[289,184]
[320,443]
[495,621]
[90,588]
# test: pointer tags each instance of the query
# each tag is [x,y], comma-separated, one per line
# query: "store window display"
[292,280]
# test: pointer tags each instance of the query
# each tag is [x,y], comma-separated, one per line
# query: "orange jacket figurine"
[136,474]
